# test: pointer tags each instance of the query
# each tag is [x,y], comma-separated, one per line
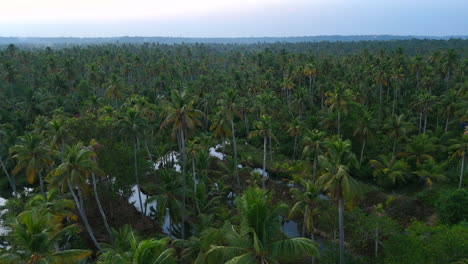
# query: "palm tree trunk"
[234,146]
[425,123]
[101,210]
[420,121]
[362,151]
[338,125]
[311,91]
[314,171]
[394,100]
[462,171]
[376,244]
[135,166]
[394,148]
[271,152]
[41,181]
[181,140]
[341,227]
[264,160]
[312,237]
[11,179]
[304,222]
[295,143]
[380,100]
[184,184]
[195,185]
[83,215]
[446,123]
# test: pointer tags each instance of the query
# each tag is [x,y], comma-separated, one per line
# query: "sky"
[226,18]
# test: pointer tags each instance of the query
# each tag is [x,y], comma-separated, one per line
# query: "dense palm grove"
[268,153]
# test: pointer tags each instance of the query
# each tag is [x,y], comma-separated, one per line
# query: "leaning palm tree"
[460,148]
[129,249]
[35,234]
[180,113]
[335,178]
[33,156]
[76,168]
[258,239]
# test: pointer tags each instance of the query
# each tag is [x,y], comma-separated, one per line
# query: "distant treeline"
[180,40]
[324,45]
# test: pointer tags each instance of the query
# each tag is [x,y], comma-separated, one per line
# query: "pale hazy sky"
[223,18]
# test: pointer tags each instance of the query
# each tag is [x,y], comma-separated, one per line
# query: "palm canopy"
[32,155]
[336,164]
[35,234]
[258,238]
[181,113]
[129,249]
[390,168]
[77,166]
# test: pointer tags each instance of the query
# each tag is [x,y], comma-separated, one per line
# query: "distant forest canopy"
[322,45]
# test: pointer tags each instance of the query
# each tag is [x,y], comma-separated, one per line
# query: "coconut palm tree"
[311,71]
[389,168]
[36,233]
[132,126]
[397,128]
[314,143]
[230,103]
[460,148]
[76,168]
[339,99]
[114,88]
[264,130]
[258,238]
[129,249]
[335,178]
[365,128]
[419,148]
[295,128]
[180,113]
[32,155]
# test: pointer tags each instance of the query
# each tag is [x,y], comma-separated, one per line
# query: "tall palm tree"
[114,88]
[76,168]
[335,178]
[263,130]
[306,197]
[129,249]
[339,99]
[397,128]
[258,238]
[295,128]
[365,128]
[460,148]
[32,155]
[36,233]
[314,143]
[181,114]
[230,103]
[311,71]
[132,126]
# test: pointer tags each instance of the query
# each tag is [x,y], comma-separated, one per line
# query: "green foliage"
[452,206]
[427,244]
